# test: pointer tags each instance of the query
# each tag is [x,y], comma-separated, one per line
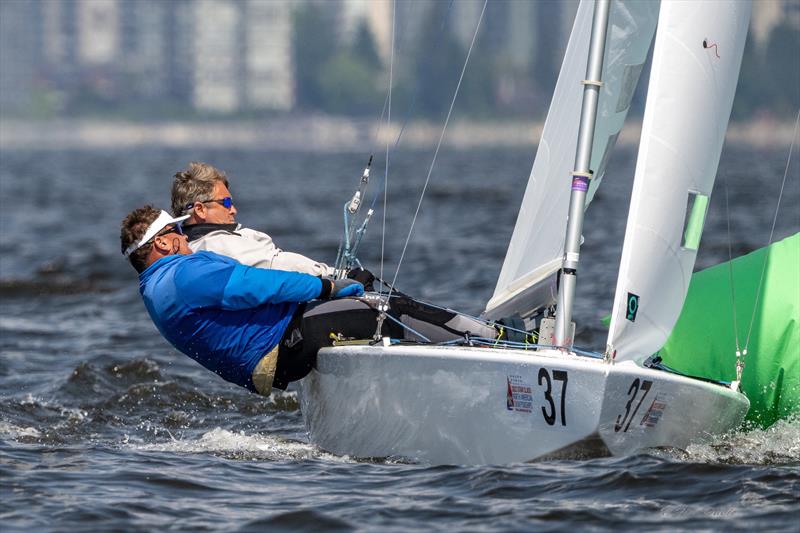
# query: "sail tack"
[696,59]
[527,278]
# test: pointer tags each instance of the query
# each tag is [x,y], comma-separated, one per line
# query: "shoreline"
[319,134]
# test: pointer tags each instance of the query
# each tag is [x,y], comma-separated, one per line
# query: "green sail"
[703,342]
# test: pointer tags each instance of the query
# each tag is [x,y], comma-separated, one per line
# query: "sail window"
[696,207]
[630,78]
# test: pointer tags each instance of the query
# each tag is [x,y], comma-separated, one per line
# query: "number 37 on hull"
[454,405]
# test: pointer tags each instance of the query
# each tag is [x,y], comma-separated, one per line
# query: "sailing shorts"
[264,372]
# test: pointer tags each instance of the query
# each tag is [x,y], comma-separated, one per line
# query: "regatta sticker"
[518,394]
[653,414]
[632,307]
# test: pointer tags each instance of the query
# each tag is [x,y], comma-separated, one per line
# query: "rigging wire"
[379,122]
[740,356]
[350,226]
[439,144]
[730,273]
[410,110]
[386,166]
[772,229]
[483,321]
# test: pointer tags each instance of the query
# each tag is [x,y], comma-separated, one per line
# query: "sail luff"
[693,78]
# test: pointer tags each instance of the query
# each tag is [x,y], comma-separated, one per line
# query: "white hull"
[452,405]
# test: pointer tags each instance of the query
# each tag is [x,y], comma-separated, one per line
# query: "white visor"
[164,219]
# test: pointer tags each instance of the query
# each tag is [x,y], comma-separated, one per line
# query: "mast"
[581,174]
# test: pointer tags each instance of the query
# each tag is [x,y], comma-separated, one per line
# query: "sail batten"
[689,101]
[538,238]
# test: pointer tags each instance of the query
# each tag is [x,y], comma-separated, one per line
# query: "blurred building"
[236,56]
[144,49]
[216,61]
[217,56]
[767,14]
[98,32]
[239,55]
[268,65]
[19,54]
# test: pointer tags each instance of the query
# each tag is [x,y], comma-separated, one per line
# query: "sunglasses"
[166,231]
[226,202]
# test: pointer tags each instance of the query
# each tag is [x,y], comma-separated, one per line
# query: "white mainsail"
[527,278]
[696,60]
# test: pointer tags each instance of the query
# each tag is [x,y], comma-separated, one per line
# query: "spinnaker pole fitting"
[346,256]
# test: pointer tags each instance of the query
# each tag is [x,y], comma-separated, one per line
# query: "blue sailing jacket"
[224,315]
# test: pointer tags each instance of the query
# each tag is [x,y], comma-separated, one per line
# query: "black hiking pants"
[313,323]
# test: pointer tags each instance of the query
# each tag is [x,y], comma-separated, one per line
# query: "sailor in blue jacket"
[230,318]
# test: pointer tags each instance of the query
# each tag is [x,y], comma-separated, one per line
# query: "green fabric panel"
[696,217]
[703,341]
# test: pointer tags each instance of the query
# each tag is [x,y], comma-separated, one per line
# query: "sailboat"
[500,403]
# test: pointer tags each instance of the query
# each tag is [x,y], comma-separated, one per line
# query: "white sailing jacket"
[256,249]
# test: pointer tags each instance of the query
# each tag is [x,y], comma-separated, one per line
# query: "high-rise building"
[240,55]
[144,48]
[98,31]
[268,55]
[18,55]
[59,44]
[216,59]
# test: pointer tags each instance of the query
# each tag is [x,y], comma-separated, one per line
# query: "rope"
[439,144]
[707,44]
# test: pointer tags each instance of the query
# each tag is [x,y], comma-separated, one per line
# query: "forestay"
[696,60]
[527,279]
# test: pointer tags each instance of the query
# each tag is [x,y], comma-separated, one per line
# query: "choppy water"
[103,426]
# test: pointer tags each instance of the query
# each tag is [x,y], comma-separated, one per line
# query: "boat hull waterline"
[472,405]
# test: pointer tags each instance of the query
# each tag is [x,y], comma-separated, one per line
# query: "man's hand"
[340,288]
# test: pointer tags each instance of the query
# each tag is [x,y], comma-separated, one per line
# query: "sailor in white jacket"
[201,191]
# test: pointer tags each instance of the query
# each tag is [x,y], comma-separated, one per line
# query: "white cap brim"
[164,219]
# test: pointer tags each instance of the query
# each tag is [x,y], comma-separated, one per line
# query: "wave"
[18,288]
[777,445]
[137,401]
[242,446]
[9,431]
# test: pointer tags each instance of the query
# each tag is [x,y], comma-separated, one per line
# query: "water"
[104,427]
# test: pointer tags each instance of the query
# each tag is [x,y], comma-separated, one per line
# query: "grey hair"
[194,184]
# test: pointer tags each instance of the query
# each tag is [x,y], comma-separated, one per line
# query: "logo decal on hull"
[518,394]
[653,414]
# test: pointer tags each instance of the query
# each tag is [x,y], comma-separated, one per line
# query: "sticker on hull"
[653,414]
[518,394]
